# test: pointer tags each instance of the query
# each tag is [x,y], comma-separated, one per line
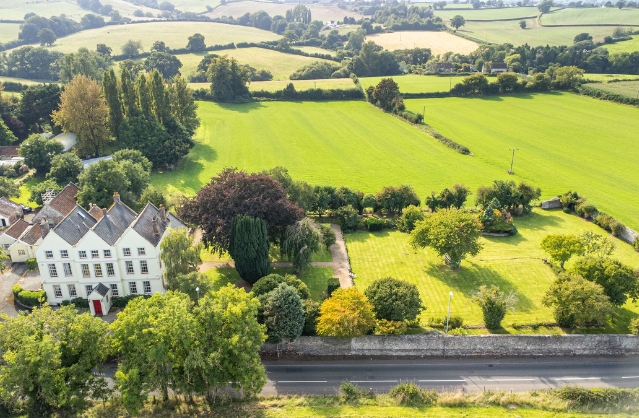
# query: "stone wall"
[437,345]
[628,235]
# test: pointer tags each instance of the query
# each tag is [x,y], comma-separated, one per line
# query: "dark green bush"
[28,297]
[411,117]
[586,210]
[32,264]
[332,285]
[310,94]
[311,312]
[122,301]
[605,221]
[635,243]
[80,303]
[269,283]
[328,236]
[374,224]
[349,218]
[350,391]
[616,228]
[455,321]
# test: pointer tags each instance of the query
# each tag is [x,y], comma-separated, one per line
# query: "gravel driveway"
[16,274]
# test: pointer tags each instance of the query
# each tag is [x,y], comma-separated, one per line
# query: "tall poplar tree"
[249,246]
[183,107]
[160,105]
[144,96]
[112,96]
[129,98]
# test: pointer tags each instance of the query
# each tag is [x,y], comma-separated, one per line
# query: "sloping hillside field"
[566,142]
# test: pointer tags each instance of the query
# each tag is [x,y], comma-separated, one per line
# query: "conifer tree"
[249,247]
[160,105]
[183,107]
[112,96]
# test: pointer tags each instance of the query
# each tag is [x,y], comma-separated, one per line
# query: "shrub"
[586,210]
[634,326]
[410,216]
[28,297]
[494,303]
[80,303]
[455,321]
[635,244]
[311,312]
[350,391]
[394,300]
[616,228]
[410,394]
[269,283]
[32,264]
[384,327]
[328,236]
[347,313]
[348,218]
[374,224]
[598,396]
[122,301]
[315,70]
[604,220]
[332,285]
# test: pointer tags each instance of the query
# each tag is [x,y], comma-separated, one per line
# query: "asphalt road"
[516,374]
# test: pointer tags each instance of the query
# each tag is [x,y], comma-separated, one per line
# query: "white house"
[117,248]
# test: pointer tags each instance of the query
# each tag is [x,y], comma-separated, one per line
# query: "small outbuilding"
[100,300]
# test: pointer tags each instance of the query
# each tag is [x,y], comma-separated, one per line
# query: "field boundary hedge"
[470,38]
[502,20]
[293,95]
[609,96]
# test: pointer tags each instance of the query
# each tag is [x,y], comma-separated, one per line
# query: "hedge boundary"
[609,96]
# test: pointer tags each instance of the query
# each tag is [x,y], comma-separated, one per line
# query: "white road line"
[575,378]
[444,380]
[373,381]
[302,381]
[630,377]
[510,380]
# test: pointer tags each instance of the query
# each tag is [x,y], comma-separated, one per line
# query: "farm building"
[10,212]
[442,67]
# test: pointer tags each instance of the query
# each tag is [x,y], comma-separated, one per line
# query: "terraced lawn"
[512,263]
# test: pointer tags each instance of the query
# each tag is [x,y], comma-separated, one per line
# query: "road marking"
[575,378]
[302,381]
[510,380]
[373,381]
[444,380]
[630,377]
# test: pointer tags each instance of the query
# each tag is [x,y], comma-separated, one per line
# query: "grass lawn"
[280,64]
[274,256]
[416,83]
[9,31]
[16,9]
[314,277]
[512,263]
[631,45]
[592,16]
[564,140]
[315,50]
[438,42]
[535,35]
[607,77]
[625,88]
[329,83]
[318,12]
[489,14]
[175,34]
[25,192]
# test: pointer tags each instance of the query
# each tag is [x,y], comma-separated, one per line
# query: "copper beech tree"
[234,193]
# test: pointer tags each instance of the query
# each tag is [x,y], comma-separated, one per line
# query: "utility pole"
[512,161]
[424,114]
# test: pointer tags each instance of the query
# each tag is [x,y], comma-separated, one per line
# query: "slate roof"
[64,202]
[32,235]
[8,208]
[17,228]
[75,226]
[101,290]
[117,220]
[144,224]
[52,215]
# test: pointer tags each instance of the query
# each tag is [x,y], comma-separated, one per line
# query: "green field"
[625,88]
[323,13]
[21,80]
[174,34]
[280,64]
[631,45]
[315,50]
[512,263]
[315,278]
[564,140]
[16,9]
[329,83]
[416,83]
[592,16]
[9,32]
[489,14]
[606,77]
[196,6]
[534,35]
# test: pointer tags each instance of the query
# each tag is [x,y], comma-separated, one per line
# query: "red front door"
[97,307]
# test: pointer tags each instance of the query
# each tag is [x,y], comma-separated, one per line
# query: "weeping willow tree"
[249,247]
[301,240]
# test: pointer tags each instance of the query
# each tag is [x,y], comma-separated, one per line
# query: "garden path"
[340,264]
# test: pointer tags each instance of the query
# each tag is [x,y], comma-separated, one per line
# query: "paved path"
[470,375]
[340,264]
[16,274]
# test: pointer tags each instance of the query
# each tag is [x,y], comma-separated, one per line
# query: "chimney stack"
[156,227]
[104,211]
[163,214]
[44,227]
[116,197]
